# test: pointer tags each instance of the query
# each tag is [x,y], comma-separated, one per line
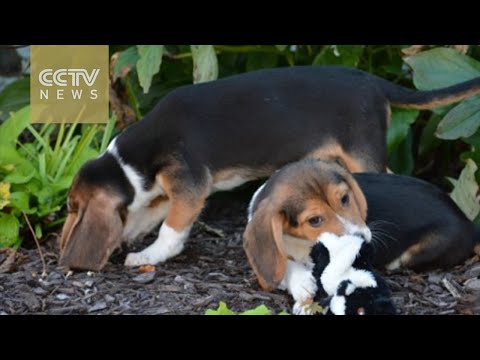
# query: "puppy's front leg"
[172,235]
[300,283]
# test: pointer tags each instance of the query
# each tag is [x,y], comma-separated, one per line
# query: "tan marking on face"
[332,151]
[352,212]
[315,207]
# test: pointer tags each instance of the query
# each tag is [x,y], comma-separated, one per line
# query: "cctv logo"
[48,77]
[68,77]
[69,84]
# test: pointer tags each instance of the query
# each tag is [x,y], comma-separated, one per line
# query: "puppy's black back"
[404,210]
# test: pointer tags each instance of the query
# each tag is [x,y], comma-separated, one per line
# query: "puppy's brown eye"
[315,221]
[345,200]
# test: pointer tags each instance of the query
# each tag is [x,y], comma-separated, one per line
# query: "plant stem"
[44,273]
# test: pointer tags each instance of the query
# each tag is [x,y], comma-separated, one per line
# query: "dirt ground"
[212,268]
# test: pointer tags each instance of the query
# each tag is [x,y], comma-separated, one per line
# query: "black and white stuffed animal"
[347,284]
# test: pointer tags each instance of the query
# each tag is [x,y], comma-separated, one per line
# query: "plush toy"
[347,284]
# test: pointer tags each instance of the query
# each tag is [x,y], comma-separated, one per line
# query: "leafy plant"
[224,310]
[35,175]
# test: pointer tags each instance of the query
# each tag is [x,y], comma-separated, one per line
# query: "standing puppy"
[218,135]
[414,224]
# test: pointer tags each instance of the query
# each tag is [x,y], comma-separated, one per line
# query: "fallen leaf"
[146,268]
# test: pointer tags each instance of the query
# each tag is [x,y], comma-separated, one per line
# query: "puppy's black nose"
[359,234]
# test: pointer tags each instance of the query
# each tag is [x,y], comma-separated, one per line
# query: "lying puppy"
[346,282]
[218,135]
[414,224]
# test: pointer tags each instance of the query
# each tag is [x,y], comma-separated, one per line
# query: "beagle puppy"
[409,222]
[218,135]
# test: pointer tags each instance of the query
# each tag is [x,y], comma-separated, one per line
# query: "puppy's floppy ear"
[263,244]
[92,233]
[359,196]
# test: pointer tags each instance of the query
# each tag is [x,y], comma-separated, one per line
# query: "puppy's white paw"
[303,288]
[139,258]
[301,308]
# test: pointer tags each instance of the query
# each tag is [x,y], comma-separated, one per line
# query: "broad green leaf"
[33,186]
[477,220]
[428,140]
[259,310]
[15,96]
[462,121]
[465,191]
[347,55]
[399,126]
[9,230]
[63,183]
[474,139]
[148,64]
[10,156]
[13,126]
[205,64]
[256,61]
[221,310]
[5,195]
[17,177]
[20,201]
[400,161]
[474,155]
[281,47]
[125,62]
[441,67]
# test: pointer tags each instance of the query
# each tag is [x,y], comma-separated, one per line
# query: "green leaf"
[38,230]
[22,167]
[205,64]
[346,55]
[474,139]
[221,310]
[399,127]
[9,230]
[13,126]
[462,121]
[125,62]
[148,64]
[5,196]
[428,140]
[441,67]
[477,220]
[465,191]
[281,47]
[15,96]
[400,161]
[20,201]
[256,61]
[18,177]
[259,310]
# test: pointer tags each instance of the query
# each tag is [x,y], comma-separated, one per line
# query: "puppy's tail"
[412,99]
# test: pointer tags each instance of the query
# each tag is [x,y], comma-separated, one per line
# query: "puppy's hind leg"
[187,198]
